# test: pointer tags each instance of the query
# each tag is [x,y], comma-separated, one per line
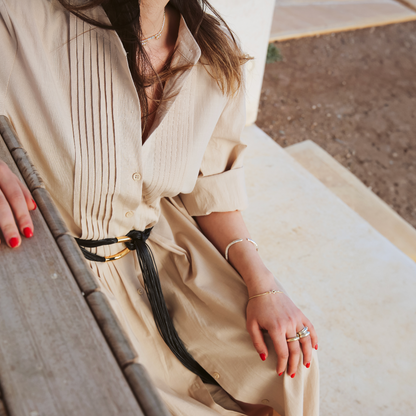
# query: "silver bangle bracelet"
[239,241]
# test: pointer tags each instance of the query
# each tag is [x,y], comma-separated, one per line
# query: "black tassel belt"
[136,240]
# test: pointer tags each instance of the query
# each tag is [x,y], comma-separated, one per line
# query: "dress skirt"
[207,300]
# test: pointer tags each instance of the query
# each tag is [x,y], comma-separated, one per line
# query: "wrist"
[246,260]
[244,257]
[261,282]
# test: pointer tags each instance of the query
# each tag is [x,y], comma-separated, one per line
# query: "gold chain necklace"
[157,35]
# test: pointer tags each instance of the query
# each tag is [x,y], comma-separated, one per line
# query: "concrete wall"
[251,20]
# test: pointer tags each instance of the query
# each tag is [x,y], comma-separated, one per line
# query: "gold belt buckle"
[121,253]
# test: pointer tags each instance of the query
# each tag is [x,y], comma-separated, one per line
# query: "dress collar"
[187,51]
[186,45]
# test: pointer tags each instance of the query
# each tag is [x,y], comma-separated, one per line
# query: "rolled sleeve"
[217,193]
[220,186]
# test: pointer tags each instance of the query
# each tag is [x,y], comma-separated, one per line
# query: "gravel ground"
[354,94]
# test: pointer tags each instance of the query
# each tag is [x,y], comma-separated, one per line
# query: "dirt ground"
[354,94]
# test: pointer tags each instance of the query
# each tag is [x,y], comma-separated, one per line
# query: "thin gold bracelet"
[270,292]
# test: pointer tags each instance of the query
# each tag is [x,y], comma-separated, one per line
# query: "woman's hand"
[275,313]
[15,203]
[278,315]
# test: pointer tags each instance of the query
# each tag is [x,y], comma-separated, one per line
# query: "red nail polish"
[293,375]
[316,346]
[263,357]
[28,232]
[280,374]
[308,365]
[34,203]
[14,242]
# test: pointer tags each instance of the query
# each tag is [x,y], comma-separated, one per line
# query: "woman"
[138,128]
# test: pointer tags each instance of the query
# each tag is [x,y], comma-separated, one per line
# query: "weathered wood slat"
[54,359]
[22,160]
[116,338]
[29,173]
[145,393]
[9,135]
[76,262]
[50,212]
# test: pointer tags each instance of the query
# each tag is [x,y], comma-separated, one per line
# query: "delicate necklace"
[157,35]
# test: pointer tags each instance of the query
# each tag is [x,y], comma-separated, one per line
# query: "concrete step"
[356,195]
[299,18]
[353,283]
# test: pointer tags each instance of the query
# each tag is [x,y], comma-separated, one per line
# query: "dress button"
[136,176]
[140,291]
[216,376]
[265,401]
[129,214]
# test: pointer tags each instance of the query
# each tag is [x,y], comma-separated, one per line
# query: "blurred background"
[343,74]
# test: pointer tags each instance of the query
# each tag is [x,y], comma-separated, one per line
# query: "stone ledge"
[300,18]
[356,195]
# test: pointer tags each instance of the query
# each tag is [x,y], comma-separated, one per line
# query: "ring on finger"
[296,338]
[304,330]
[306,334]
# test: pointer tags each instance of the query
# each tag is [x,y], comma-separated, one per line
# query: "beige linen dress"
[67,89]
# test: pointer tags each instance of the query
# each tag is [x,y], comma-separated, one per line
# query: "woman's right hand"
[15,204]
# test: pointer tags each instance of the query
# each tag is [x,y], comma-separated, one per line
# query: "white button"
[129,214]
[216,376]
[140,291]
[136,176]
[265,401]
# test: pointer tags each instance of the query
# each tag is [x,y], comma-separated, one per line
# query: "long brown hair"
[221,54]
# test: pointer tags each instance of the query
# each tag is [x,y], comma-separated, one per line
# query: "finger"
[7,223]
[15,194]
[281,348]
[294,354]
[16,211]
[258,340]
[30,202]
[306,346]
[314,336]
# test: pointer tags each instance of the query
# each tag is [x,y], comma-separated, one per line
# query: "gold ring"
[296,338]
[306,334]
[121,253]
[304,330]
[118,255]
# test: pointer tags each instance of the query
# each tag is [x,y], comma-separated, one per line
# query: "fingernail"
[263,357]
[34,203]
[293,375]
[28,232]
[280,374]
[316,346]
[308,365]
[13,242]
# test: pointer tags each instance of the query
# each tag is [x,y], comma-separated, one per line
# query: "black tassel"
[94,243]
[160,311]
[154,293]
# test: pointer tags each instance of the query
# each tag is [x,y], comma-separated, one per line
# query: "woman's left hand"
[278,315]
